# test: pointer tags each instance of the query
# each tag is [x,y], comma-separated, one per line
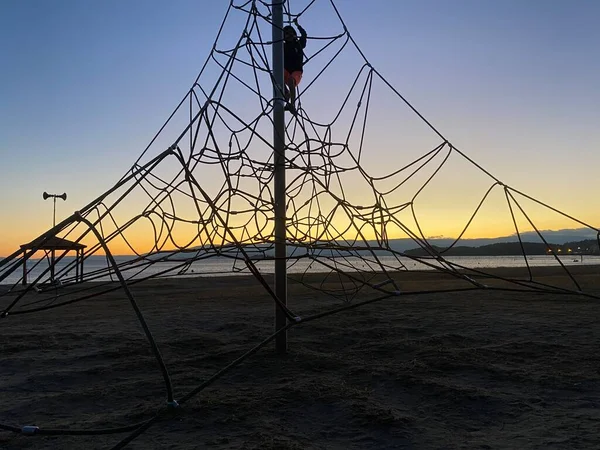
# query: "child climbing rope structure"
[293,62]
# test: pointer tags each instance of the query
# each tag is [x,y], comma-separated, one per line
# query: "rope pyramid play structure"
[202,198]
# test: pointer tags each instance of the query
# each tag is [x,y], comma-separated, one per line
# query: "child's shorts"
[296,75]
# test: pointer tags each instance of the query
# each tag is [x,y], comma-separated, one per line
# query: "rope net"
[199,199]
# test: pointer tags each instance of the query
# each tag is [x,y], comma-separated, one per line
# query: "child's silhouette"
[293,62]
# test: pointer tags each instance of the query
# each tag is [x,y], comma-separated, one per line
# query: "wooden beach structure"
[52,244]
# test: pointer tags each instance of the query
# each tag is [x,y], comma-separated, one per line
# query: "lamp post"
[53,197]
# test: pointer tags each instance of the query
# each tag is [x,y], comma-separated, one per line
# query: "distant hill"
[587,247]
[558,237]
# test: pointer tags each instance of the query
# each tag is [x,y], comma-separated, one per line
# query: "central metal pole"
[53,225]
[279,175]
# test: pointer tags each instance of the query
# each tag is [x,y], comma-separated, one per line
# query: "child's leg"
[291,84]
[291,80]
[286,92]
[286,79]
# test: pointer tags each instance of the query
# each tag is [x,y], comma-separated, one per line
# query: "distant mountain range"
[558,237]
[588,247]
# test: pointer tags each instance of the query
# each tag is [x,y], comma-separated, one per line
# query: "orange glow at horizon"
[141,240]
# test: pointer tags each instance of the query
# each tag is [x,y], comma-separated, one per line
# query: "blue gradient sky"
[85,85]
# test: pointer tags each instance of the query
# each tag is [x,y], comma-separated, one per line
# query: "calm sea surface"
[95,266]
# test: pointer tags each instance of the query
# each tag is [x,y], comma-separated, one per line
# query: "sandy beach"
[478,369]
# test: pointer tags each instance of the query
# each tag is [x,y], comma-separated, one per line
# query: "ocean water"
[95,267]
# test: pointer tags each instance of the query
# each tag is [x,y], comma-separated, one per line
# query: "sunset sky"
[86,84]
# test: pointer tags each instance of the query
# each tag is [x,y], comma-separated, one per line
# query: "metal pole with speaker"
[53,197]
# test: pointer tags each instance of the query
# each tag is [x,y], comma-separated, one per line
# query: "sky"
[86,84]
